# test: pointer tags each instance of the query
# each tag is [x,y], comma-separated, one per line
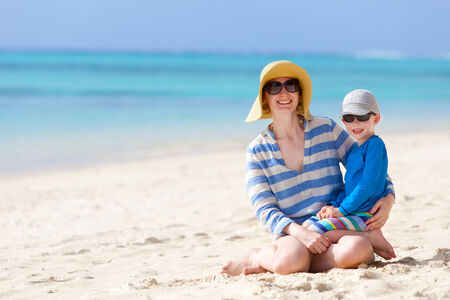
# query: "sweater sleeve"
[389,186]
[263,199]
[344,142]
[375,167]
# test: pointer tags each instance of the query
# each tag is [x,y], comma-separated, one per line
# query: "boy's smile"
[361,131]
[357,131]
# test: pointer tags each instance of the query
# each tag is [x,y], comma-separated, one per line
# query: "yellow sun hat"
[282,68]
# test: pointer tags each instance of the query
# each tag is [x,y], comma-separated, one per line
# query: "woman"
[292,171]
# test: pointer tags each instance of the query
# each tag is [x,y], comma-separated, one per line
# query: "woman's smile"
[284,102]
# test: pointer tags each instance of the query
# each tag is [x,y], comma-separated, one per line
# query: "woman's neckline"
[301,122]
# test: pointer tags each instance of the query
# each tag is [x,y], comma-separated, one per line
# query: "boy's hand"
[329,212]
[320,214]
[333,212]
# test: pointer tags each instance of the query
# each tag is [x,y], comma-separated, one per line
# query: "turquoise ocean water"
[62,109]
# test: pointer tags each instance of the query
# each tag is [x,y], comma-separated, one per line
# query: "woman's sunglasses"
[274,87]
[351,118]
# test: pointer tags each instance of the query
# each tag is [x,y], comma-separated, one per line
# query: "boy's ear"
[376,119]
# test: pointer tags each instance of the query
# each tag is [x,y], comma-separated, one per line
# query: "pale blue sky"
[346,26]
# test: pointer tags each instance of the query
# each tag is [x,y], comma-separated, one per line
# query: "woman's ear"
[265,104]
[300,110]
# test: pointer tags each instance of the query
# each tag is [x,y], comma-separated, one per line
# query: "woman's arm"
[263,199]
[268,213]
[381,211]
[314,242]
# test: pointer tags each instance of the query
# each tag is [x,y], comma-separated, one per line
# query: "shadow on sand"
[442,255]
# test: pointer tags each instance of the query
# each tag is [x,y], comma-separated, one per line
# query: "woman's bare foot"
[253,270]
[237,266]
[380,245]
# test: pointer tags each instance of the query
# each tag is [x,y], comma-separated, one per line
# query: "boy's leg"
[311,224]
[355,222]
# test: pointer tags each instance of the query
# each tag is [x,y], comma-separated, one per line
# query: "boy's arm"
[375,168]
[338,200]
[263,200]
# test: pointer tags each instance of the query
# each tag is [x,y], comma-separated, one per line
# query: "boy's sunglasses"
[274,87]
[351,118]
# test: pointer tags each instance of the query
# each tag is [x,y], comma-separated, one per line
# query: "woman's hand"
[314,242]
[381,211]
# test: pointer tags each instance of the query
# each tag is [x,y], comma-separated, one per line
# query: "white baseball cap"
[359,102]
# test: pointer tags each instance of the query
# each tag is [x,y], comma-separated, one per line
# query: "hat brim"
[355,111]
[283,68]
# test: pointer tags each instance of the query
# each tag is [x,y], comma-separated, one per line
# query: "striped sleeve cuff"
[281,225]
[390,191]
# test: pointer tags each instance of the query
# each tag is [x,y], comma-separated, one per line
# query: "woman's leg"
[334,229]
[285,256]
[237,266]
[348,252]
[379,243]
[288,255]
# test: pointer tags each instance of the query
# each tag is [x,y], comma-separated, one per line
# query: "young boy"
[365,178]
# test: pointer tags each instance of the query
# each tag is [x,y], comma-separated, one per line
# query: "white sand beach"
[162,228]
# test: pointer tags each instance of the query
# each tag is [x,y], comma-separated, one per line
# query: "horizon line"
[368,53]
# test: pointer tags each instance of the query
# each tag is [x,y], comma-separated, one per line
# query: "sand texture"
[162,228]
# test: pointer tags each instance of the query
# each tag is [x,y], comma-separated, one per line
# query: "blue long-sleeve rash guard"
[365,179]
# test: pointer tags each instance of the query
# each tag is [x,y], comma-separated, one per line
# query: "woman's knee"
[354,251]
[289,265]
[292,262]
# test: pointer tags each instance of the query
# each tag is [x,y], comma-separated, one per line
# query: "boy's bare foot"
[237,266]
[380,245]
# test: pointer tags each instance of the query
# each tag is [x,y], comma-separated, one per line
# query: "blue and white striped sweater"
[280,195]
